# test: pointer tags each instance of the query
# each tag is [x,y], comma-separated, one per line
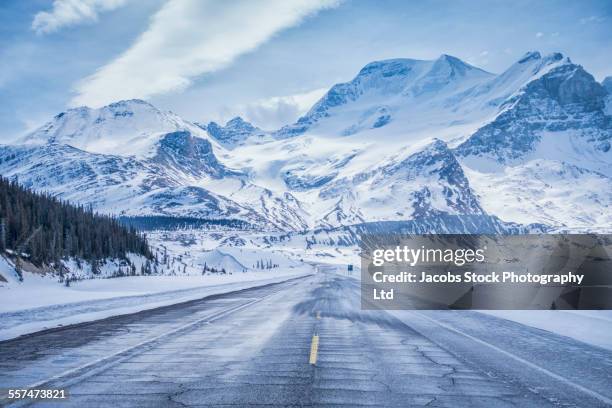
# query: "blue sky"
[267,60]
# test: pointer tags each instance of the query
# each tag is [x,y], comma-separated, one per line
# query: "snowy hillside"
[404,141]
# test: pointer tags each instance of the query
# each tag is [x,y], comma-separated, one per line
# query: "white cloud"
[71,12]
[539,34]
[591,19]
[188,38]
[272,113]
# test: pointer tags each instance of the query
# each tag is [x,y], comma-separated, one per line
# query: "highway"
[305,342]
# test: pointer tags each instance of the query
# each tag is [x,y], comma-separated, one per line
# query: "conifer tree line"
[47,229]
[261,264]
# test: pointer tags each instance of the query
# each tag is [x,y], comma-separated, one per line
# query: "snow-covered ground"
[40,302]
[191,264]
[589,326]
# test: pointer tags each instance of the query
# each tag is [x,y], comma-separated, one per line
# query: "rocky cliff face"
[564,99]
[189,155]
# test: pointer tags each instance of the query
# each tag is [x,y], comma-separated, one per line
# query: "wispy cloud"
[272,113]
[72,12]
[188,38]
[591,19]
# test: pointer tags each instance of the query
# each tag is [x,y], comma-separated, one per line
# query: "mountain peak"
[126,127]
[544,60]
[239,123]
[548,59]
[235,131]
[399,67]
[451,66]
[530,56]
[529,67]
[556,57]
[388,67]
[453,61]
[400,80]
[542,95]
[122,104]
[129,102]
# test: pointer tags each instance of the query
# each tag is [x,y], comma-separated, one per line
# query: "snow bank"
[40,303]
[588,326]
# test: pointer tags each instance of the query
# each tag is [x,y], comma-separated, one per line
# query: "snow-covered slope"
[114,184]
[437,144]
[390,94]
[547,191]
[127,128]
[410,185]
[220,261]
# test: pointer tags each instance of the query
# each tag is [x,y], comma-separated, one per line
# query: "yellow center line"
[314,347]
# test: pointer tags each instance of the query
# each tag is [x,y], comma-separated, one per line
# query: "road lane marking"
[80,373]
[314,348]
[557,377]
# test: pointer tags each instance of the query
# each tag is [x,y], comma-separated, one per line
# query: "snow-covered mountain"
[127,128]
[131,159]
[436,144]
[391,92]
[115,184]
[562,105]
[236,132]
[546,155]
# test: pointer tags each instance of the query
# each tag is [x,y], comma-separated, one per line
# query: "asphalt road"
[306,342]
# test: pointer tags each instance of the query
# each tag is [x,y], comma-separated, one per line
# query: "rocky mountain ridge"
[405,140]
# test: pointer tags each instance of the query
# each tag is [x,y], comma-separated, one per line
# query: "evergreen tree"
[46,229]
